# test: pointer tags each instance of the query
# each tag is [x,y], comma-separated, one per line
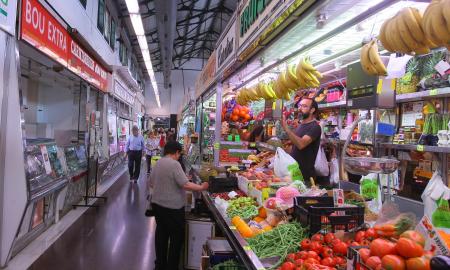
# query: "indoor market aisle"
[117,236]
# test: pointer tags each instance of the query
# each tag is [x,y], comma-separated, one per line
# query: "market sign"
[227,47]
[206,76]
[43,31]
[251,13]
[122,93]
[8,10]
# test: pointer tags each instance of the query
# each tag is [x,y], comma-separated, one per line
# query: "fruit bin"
[329,218]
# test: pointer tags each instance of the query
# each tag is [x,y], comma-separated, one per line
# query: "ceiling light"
[138,27]
[132,6]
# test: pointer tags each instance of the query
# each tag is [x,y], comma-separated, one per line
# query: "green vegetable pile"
[245,207]
[282,240]
[435,122]
[231,264]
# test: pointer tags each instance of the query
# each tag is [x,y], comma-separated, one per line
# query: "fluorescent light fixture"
[138,26]
[132,6]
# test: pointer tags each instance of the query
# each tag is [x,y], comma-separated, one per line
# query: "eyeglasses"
[303,106]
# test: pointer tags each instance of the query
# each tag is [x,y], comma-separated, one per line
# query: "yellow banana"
[446,12]
[292,76]
[375,58]
[439,25]
[306,64]
[276,89]
[365,61]
[383,38]
[405,33]
[427,23]
[317,74]
[402,45]
[270,90]
[315,81]
[287,96]
[413,19]
[285,79]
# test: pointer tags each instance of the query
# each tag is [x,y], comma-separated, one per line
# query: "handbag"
[149,209]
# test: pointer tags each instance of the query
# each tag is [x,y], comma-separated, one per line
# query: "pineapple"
[409,82]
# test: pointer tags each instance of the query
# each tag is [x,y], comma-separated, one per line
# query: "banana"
[405,33]
[446,12]
[270,91]
[292,76]
[315,81]
[317,74]
[375,58]
[287,96]
[276,89]
[306,64]
[285,79]
[365,61]
[427,22]
[422,50]
[402,45]
[413,20]
[383,38]
[439,25]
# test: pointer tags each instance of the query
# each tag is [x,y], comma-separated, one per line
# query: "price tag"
[232,227]
[261,268]
[247,248]
[217,146]
[420,148]
[237,138]
[230,138]
[252,144]
[274,106]
[380,86]
[433,92]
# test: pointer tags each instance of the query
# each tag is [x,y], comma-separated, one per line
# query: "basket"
[329,219]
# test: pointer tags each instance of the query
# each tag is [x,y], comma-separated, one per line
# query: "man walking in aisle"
[306,138]
[134,147]
[169,184]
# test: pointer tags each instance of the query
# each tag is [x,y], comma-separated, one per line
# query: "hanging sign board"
[8,11]
[122,93]
[206,76]
[44,32]
[226,50]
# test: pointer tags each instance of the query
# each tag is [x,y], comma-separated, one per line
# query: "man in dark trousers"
[134,147]
[169,183]
[306,138]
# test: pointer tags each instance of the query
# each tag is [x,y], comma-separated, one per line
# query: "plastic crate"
[329,219]
[313,201]
[237,267]
[220,184]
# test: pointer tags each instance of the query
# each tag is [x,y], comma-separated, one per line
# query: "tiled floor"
[116,236]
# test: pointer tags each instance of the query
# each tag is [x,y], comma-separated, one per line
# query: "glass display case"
[123,133]
[76,159]
[208,128]
[43,165]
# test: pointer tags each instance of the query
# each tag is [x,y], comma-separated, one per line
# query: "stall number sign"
[40,29]
[251,13]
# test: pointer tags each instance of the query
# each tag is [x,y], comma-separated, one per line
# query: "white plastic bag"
[434,190]
[321,163]
[285,165]
[334,171]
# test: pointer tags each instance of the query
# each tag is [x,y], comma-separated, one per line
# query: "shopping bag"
[441,216]
[149,209]
[321,163]
[285,165]
[371,191]
[334,171]
[432,193]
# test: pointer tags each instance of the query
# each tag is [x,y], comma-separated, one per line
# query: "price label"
[237,138]
[420,148]
[232,227]
[433,92]
[247,248]
[217,146]
[230,138]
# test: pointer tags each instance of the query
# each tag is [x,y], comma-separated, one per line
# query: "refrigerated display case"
[76,159]
[208,118]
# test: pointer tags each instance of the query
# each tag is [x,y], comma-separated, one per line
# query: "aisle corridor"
[117,236]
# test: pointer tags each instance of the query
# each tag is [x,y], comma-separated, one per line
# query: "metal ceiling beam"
[187,26]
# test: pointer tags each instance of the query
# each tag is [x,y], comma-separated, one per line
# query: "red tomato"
[317,237]
[299,262]
[373,262]
[365,242]
[340,261]
[381,247]
[327,252]
[303,255]
[371,234]
[407,248]
[415,236]
[291,257]
[305,244]
[419,263]
[360,236]
[354,244]
[313,254]
[364,253]
[311,261]
[393,262]
[340,249]
[329,237]
[288,266]
[316,246]
[328,262]
[335,242]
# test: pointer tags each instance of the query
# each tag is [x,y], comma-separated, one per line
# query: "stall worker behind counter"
[306,138]
[257,135]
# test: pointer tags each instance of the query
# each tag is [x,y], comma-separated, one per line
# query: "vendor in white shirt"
[151,149]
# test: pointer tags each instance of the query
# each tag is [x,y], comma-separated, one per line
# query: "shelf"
[414,147]
[416,96]
[237,242]
[336,104]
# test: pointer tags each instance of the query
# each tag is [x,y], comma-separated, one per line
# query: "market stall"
[382,95]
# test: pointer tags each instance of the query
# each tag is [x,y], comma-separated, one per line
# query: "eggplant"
[440,262]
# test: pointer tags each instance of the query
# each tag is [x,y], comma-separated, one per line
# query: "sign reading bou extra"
[41,30]
[227,47]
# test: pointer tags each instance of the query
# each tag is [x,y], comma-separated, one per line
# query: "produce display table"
[237,242]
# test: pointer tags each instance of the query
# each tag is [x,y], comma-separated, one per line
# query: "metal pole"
[218,129]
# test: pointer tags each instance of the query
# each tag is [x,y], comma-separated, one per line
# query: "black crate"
[329,219]
[220,184]
[313,201]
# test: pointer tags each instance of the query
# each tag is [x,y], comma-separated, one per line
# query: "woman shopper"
[151,149]
[169,184]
